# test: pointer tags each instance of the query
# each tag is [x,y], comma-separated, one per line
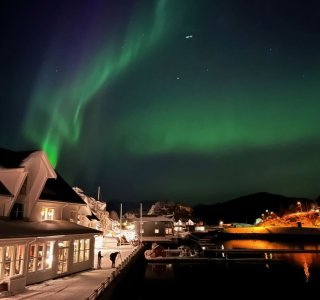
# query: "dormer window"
[47,213]
[17,211]
[73,216]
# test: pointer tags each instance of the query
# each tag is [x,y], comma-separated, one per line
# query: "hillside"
[247,209]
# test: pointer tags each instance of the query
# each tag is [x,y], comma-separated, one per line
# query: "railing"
[173,252]
[100,289]
[95,294]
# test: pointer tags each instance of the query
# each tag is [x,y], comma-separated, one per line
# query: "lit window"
[81,250]
[47,213]
[11,260]
[75,251]
[73,216]
[49,255]
[40,256]
[156,230]
[32,258]
[63,256]
[86,249]
[168,230]
[8,263]
[19,259]
[1,262]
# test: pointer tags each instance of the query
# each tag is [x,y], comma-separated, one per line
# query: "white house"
[39,235]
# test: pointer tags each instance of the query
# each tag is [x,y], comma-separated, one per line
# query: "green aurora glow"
[198,101]
[66,100]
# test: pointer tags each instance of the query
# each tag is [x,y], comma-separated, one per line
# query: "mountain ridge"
[247,208]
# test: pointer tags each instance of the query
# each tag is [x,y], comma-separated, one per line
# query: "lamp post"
[299,205]
[120,223]
[140,227]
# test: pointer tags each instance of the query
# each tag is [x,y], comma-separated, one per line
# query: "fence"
[95,294]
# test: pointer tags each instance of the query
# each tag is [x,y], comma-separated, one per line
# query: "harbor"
[234,261]
[277,268]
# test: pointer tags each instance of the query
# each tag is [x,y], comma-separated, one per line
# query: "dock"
[86,285]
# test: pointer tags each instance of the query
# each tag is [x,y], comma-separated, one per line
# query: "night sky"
[195,101]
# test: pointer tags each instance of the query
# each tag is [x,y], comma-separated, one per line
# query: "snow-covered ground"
[81,285]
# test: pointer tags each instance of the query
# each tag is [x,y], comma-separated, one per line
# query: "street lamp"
[299,206]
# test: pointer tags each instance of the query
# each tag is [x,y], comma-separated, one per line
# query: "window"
[168,230]
[63,256]
[47,213]
[8,260]
[32,258]
[40,256]
[19,259]
[75,251]
[11,260]
[17,211]
[86,249]
[81,250]
[73,216]
[49,254]
[156,230]
[1,262]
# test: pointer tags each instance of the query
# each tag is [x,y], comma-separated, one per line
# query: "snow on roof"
[20,229]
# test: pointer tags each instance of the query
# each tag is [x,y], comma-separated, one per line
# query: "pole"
[98,193]
[140,223]
[120,223]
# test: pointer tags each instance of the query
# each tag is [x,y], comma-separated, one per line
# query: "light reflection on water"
[304,260]
[307,264]
[300,274]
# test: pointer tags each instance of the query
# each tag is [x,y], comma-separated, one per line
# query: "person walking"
[113,257]
[99,260]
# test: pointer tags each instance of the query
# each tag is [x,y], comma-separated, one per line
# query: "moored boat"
[181,252]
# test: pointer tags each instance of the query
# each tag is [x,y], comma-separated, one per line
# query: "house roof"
[93,217]
[155,219]
[13,159]
[4,191]
[59,190]
[21,229]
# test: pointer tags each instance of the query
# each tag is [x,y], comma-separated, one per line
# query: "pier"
[87,285]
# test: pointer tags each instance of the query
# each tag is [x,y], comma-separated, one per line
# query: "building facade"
[154,228]
[40,238]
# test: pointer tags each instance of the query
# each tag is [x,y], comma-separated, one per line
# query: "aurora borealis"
[181,100]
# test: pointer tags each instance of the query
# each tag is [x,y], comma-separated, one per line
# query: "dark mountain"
[247,209]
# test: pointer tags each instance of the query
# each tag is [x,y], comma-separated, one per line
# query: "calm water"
[284,275]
